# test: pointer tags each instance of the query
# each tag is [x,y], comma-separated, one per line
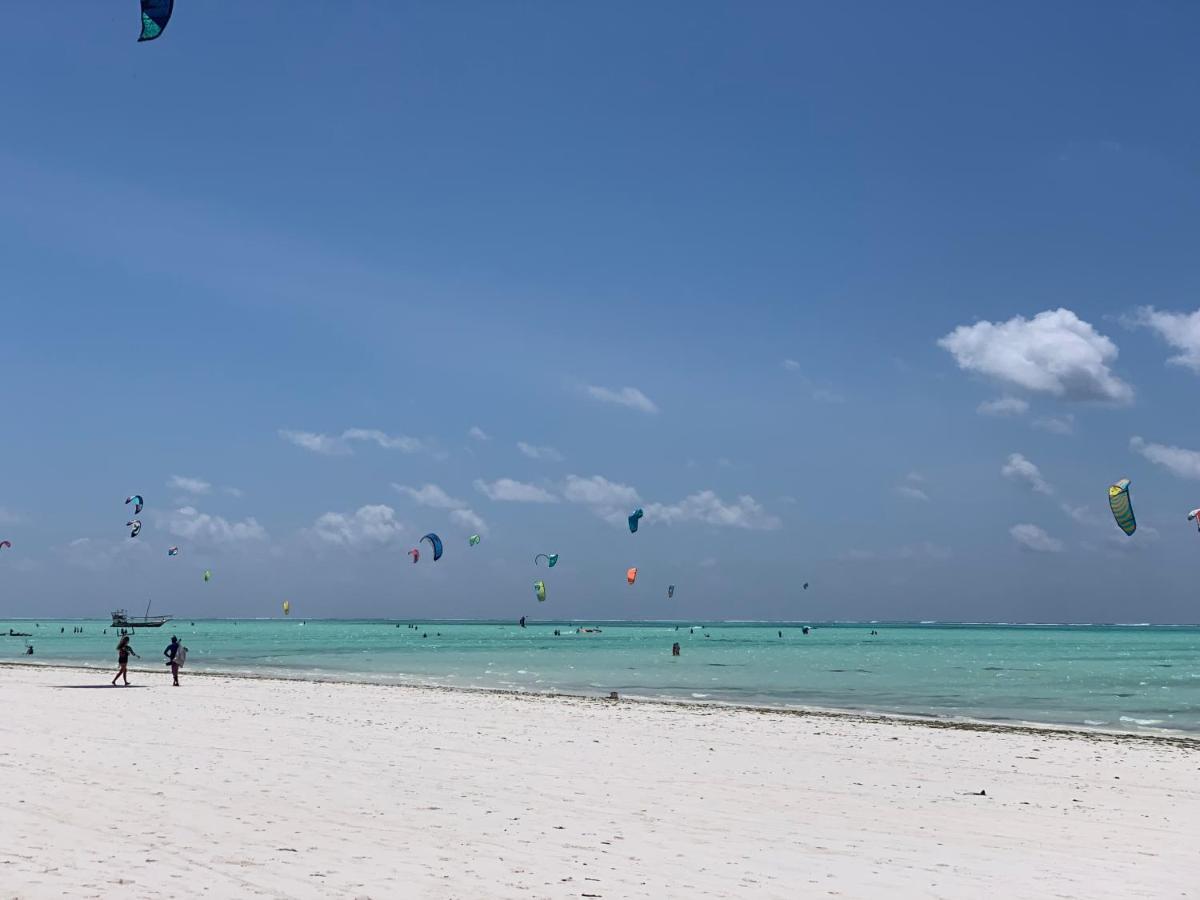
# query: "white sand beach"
[242,788]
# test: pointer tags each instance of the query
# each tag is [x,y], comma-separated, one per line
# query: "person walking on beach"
[173,660]
[123,653]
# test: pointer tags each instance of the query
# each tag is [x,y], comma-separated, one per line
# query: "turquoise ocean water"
[1135,678]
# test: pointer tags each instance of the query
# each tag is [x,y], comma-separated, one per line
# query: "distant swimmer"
[522,621]
[29,649]
[804,630]
[781,634]
[675,649]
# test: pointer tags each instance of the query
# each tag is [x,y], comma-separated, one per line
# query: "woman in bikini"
[123,653]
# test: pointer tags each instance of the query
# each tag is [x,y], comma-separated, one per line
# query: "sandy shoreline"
[257,787]
[857,715]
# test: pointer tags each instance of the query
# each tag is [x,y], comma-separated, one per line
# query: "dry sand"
[242,788]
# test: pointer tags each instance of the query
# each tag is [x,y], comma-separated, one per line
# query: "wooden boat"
[122,619]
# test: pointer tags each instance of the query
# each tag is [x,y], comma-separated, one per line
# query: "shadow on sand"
[89,687]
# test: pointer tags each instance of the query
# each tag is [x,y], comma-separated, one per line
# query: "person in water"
[675,649]
[172,654]
[124,651]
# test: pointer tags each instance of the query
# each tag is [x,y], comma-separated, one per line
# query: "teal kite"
[551,559]
[1122,509]
[436,543]
[634,517]
[473,540]
[155,16]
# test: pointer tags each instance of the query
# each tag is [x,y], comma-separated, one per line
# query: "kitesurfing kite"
[633,520]
[539,588]
[806,585]
[1122,509]
[473,540]
[137,502]
[207,575]
[415,554]
[670,591]
[436,543]
[631,575]
[135,526]
[172,551]
[4,544]
[155,16]
[287,608]
[1194,516]
[550,558]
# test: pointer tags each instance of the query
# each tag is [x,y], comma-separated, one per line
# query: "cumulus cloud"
[188,522]
[469,519]
[1056,424]
[478,434]
[1184,463]
[912,492]
[1007,405]
[508,490]
[1020,469]
[1180,330]
[1031,537]
[373,525]
[189,485]
[98,555]
[791,365]
[339,445]
[1055,352]
[429,495]
[232,491]
[434,497]
[626,396]
[706,507]
[533,452]
[597,491]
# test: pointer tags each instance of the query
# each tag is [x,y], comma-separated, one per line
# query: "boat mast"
[148,602]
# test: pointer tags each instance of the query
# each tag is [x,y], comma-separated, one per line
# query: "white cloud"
[339,445]
[1033,538]
[98,555]
[708,508]
[1018,468]
[912,493]
[1056,424]
[1179,330]
[915,477]
[1055,352]
[506,489]
[317,443]
[188,522]
[189,485]
[599,491]
[1080,514]
[232,491]
[373,525]
[626,396]
[533,452]
[791,365]
[469,520]
[478,434]
[384,440]
[1184,463]
[1007,405]
[430,495]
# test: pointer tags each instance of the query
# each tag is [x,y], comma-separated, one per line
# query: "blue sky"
[875,296]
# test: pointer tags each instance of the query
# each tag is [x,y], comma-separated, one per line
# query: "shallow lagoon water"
[1140,678]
